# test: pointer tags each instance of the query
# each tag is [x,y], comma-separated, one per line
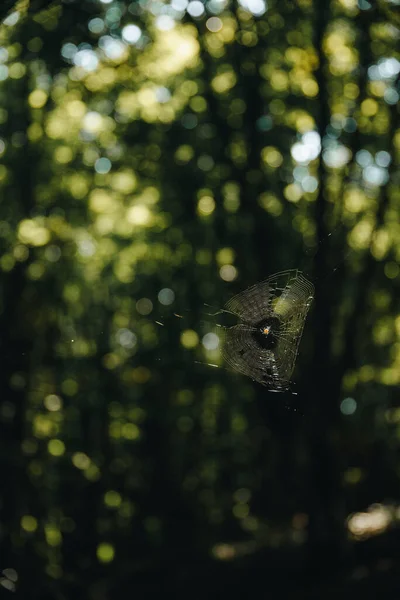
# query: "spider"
[264,343]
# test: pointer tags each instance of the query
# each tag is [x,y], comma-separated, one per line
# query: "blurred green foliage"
[157,156]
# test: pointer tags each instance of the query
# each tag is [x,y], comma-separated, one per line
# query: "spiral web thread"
[285,296]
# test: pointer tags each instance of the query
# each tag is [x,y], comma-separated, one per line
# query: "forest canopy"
[159,156]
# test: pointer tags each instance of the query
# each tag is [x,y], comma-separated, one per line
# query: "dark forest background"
[155,157]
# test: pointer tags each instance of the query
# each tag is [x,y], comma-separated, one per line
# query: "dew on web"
[269,319]
[263,345]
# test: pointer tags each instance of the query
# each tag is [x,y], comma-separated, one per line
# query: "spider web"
[284,298]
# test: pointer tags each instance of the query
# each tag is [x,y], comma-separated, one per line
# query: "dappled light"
[157,159]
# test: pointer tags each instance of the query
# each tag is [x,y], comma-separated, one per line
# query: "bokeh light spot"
[189,339]
[166,296]
[37,98]
[206,206]
[53,402]
[214,24]
[56,447]
[105,552]
[81,460]
[131,33]
[144,306]
[139,215]
[102,165]
[228,272]
[348,406]
[112,499]
[195,8]
[96,25]
[210,341]
[126,338]
[29,523]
